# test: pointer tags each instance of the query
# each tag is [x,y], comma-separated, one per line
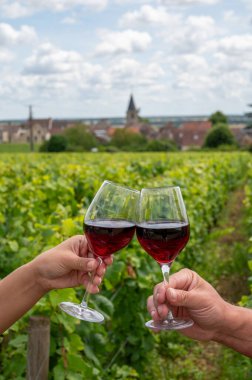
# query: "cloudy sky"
[82,58]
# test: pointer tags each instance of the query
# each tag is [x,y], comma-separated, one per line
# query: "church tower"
[132,112]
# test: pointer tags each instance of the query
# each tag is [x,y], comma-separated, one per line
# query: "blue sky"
[82,58]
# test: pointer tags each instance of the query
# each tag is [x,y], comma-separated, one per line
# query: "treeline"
[79,138]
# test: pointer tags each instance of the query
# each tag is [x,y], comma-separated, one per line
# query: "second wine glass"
[163,231]
[109,226]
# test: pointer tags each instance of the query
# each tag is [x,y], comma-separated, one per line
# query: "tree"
[161,146]
[218,118]
[127,140]
[56,143]
[220,135]
[79,139]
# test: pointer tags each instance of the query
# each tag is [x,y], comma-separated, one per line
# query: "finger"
[185,279]
[183,298]
[159,294]
[91,288]
[163,311]
[108,260]
[82,264]
[101,269]
[152,309]
[97,280]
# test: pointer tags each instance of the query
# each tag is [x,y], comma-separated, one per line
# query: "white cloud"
[14,9]
[51,67]
[236,45]
[188,2]
[135,2]
[48,59]
[148,15]
[11,36]
[190,35]
[128,72]
[233,54]
[5,56]
[53,73]
[128,41]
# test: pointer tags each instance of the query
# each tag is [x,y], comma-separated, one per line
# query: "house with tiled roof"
[186,135]
[192,134]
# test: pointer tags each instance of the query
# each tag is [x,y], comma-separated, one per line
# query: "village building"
[192,134]
[132,114]
[101,130]
[186,135]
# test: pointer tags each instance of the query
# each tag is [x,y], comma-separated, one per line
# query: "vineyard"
[43,200]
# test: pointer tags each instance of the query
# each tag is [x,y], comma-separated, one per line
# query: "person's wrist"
[37,278]
[230,321]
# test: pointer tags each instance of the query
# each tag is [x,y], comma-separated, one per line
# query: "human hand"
[189,296]
[68,265]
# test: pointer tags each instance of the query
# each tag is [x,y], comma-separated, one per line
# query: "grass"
[16,148]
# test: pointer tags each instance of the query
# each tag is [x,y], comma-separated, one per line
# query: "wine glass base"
[171,324]
[80,312]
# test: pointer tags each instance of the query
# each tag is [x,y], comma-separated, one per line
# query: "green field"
[16,148]
[43,200]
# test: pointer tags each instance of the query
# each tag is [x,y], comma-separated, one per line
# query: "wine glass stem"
[166,272]
[84,302]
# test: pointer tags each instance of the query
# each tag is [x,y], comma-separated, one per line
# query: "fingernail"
[160,309]
[157,296]
[172,294]
[153,313]
[90,265]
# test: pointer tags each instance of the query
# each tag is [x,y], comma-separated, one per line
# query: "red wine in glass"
[163,240]
[163,231]
[109,226]
[106,236]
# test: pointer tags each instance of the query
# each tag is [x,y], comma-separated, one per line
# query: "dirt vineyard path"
[230,251]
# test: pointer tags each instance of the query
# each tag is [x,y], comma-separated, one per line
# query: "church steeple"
[132,112]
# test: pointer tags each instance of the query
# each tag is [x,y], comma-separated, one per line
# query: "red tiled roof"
[134,129]
[111,131]
[196,126]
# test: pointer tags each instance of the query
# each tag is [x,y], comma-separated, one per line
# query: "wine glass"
[163,231]
[109,225]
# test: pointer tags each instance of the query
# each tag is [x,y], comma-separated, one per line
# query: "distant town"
[185,131]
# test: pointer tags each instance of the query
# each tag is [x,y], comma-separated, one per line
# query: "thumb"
[83,264]
[181,298]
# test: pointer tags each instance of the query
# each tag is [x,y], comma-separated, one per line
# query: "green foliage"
[219,136]
[161,146]
[43,199]
[56,143]
[79,139]
[128,141]
[247,299]
[218,118]
[144,120]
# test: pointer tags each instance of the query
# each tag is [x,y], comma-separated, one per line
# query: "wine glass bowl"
[163,231]
[109,226]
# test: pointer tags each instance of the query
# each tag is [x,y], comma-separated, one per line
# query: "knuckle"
[183,296]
